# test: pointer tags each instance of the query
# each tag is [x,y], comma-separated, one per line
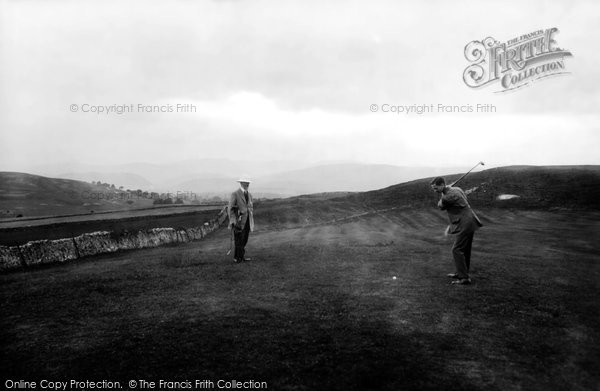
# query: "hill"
[535,187]
[33,195]
[125,179]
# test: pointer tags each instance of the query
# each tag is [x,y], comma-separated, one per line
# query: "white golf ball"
[393,278]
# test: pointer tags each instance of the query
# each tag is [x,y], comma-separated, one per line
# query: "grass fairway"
[318,309]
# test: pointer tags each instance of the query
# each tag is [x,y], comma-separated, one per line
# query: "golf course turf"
[318,309]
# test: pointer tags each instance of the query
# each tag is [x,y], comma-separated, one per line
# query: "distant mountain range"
[343,177]
[210,177]
[163,177]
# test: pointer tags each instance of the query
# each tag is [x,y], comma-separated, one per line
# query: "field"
[317,308]
[21,231]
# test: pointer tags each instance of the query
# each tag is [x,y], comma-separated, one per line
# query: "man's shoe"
[453,275]
[235,260]
[462,281]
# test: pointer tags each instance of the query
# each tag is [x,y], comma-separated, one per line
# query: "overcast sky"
[283,80]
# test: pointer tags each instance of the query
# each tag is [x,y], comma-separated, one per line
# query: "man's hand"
[440,204]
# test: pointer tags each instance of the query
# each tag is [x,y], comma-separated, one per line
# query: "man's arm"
[231,209]
[448,200]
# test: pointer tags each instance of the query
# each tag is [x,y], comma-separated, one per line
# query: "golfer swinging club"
[463,223]
[241,220]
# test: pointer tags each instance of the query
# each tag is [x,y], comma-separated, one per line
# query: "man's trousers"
[240,237]
[461,251]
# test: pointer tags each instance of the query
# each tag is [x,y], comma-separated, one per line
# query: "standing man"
[241,220]
[463,223]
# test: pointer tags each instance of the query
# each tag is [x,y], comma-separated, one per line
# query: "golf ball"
[393,278]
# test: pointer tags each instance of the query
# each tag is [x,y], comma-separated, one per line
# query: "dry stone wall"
[54,251]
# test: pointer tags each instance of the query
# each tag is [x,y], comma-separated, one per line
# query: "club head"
[482,163]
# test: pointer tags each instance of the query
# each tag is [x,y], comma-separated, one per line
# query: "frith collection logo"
[515,63]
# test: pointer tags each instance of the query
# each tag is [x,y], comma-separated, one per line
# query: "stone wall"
[53,251]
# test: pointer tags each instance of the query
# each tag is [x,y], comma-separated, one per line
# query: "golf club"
[230,242]
[467,173]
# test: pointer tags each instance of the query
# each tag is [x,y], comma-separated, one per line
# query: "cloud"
[289,80]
